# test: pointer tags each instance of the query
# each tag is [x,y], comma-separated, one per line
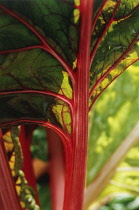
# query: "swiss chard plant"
[56,58]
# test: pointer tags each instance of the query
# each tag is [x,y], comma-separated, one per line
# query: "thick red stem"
[8,196]
[57,169]
[76,182]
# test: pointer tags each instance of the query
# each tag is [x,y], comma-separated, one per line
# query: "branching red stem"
[65,137]
[75,185]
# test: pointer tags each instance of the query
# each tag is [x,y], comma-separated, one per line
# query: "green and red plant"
[56,58]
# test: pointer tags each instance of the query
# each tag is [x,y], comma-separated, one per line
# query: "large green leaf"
[37,40]
[30,70]
[52,19]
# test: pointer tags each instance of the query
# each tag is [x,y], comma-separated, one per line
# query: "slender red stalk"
[21,49]
[45,45]
[57,169]
[8,196]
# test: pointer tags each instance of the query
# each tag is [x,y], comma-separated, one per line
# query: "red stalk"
[8,196]
[22,49]
[57,169]
[76,172]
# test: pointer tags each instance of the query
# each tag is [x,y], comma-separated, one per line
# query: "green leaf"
[30,70]
[37,40]
[30,107]
[53,20]
[115,44]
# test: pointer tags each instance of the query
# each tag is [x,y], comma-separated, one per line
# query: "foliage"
[113,111]
[15,157]
[57,58]
[106,135]
[122,202]
[44,195]
[123,90]
[42,58]
[39,150]
[39,144]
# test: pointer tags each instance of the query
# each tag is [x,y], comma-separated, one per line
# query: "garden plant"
[56,58]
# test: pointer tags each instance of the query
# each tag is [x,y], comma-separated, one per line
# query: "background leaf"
[114,116]
[114,110]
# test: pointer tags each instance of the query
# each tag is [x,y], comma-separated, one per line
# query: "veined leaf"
[51,20]
[30,70]
[38,43]
[114,43]
[53,51]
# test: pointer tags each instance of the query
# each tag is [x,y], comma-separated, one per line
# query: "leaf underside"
[39,47]
[36,38]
